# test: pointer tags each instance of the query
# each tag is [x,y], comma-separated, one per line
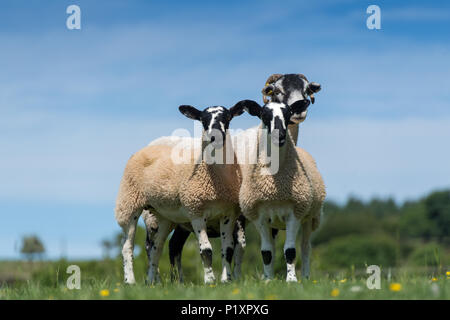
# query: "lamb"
[288,88]
[284,199]
[197,192]
[182,231]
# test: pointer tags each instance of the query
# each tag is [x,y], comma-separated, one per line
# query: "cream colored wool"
[297,182]
[151,179]
[195,193]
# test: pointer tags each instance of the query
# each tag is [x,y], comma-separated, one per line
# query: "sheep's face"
[292,89]
[215,120]
[274,116]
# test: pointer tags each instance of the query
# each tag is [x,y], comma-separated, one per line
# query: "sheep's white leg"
[199,226]
[292,227]
[128,248]
[155,248]
[239,246]
[306,247]
[226,232]
[267,247]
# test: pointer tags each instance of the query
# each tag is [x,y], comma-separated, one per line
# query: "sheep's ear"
[190,112]
[313,87]
[251,107]
[236,110]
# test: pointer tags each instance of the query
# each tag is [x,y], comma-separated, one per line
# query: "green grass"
[412,287]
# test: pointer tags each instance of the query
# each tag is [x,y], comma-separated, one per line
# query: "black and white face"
[275,117]
[215,120]
[293,90]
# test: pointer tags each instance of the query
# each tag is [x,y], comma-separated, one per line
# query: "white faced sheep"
[195,192]
[284,199]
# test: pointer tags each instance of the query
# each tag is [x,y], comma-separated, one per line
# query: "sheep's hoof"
[291,278]
[210,279]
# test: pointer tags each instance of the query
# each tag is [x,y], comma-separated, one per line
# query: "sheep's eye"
[277,91]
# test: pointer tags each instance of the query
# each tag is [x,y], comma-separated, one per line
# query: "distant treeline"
[380,231]
[351,236]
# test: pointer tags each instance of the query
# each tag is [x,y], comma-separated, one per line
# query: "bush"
[359,251]
[344,224]
[428,255]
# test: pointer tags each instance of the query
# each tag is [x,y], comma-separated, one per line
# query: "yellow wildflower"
[235,291]
[334,292]
[448,273]
[314,281]
[116,290]
[271,297]
[434,279]
[212,285]
[343,281]
[395,287]
[104,292]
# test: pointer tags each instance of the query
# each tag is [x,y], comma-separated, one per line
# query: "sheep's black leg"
[176,244]
[274,232]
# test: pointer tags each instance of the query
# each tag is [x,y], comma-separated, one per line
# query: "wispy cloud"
[415,14]
[75,105]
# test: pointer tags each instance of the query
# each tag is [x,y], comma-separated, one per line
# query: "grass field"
[404,285]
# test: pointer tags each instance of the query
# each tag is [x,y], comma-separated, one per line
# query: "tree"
[437,206]
[32,247]
[107,246]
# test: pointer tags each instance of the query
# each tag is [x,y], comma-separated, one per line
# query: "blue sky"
[75,104]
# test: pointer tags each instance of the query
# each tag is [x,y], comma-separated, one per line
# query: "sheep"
[284,199]
[195,192]
[288,88]
[182,231]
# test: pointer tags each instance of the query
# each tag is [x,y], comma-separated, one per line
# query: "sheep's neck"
[293,131]
[265,138]
[216,158]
